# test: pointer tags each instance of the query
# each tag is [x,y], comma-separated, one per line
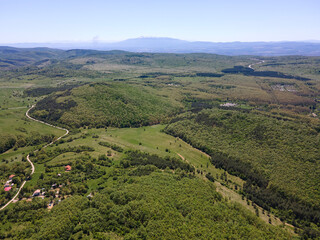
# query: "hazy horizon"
[73,21]
[150,37]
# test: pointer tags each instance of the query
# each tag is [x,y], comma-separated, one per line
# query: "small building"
[67,168]
[228,104]
[11,176]
[36,193]
[7,189]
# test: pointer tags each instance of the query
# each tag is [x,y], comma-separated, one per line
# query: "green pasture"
[14,121]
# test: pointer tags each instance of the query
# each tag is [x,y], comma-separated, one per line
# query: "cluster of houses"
[54,188]
[39,192]
[9,184]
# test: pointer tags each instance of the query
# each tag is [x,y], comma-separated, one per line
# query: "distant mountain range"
[171,45]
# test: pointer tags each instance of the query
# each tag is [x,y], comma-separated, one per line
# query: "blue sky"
[199,20]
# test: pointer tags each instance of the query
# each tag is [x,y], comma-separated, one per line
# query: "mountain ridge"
[172,45]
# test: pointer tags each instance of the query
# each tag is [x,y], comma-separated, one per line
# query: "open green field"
[14,121]
[149,139]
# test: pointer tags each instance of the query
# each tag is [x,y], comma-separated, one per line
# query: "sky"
[36,21]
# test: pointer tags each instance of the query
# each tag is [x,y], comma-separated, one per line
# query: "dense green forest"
[138,202]
[278,156]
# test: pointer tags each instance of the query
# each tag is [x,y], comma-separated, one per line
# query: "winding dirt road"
[250,66]
[28,157]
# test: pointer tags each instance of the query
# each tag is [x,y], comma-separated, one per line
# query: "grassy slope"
[12,121]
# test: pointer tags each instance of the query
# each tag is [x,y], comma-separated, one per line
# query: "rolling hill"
[102,105]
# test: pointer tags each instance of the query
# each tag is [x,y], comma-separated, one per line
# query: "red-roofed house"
[7,189]
[11,176]
[67,168]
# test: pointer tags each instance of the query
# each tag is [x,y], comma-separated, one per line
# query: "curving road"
[250,66]
[28,157]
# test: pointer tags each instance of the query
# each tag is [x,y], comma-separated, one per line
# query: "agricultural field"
[160,146]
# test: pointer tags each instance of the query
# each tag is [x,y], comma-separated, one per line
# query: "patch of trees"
[22,212]
[48,109]
[67,214]
[237,69]
[251,72]
[275,75]
[19,169]
[133,60]
[274,64]
[37,92]
[143,170]
[220,86]
[207,74]
[54,69]
[197,104]
[144,76]
[50,102]
[9,141]
[290,208]
[45,155]
[238,168]
[102,160]
[114,147]
[137,158]
[210,177]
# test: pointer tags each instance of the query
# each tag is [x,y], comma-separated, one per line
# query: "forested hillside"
[103,105]
[277,155]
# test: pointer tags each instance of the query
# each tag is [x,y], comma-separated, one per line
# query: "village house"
[67,168]
[228,104]
[36,193]
[8,185]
